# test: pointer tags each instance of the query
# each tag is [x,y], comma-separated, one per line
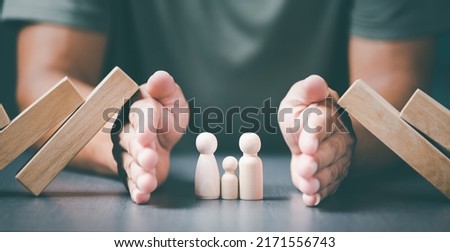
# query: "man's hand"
[158,119]
[320,145]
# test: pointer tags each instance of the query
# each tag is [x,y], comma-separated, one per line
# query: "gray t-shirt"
[236,53]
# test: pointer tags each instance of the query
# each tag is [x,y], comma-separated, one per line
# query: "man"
[232,54]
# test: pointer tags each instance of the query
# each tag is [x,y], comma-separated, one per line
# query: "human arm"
[395,69]
[48,52]
[45,54]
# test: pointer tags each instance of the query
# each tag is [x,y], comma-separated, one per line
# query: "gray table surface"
[393,201]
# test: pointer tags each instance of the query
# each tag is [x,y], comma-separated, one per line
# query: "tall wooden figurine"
[250,168]
[207,177]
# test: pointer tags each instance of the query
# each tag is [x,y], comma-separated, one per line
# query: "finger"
[145,118]
[132,146]
[144,180]
[325,177]
[315,199]
[302,94]
[312,132]
[311,200]
[317,122]
[335,172]
[126,136]
[146,157]
[289,123]
[333,94]
[175,110]
[306,166]
[305,92]
[127,161]
[153,120]
[308,186]
[162,87]
[330,150]
[136,195]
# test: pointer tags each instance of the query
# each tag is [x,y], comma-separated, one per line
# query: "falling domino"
[77,131]
[383,120]
[4,118]
[428,116]
[41,116]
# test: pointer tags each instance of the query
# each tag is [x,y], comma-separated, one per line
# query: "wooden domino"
[4,118]
[429,117]
[77,131]
[41,116]
[383,120]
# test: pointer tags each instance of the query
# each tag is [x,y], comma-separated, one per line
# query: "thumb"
[162,87]
[310,90]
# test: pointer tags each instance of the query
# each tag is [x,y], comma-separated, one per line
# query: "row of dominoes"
[394,129]
[81,119]
[208,184]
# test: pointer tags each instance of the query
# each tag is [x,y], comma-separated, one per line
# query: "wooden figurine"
[207,177]
[250,168]
[230,180]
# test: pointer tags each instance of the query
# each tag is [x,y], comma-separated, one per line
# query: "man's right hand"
[153,129]
[320,145]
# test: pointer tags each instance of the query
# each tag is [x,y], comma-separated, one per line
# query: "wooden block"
[77,131]
[429,117]
[4,118]
[383,120]
[41,116]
